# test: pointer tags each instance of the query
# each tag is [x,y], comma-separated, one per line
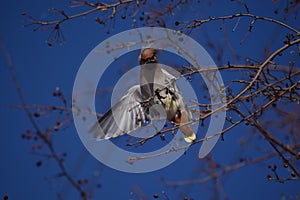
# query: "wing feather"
[122,117]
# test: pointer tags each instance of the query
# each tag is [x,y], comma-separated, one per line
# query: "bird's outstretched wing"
[125,116]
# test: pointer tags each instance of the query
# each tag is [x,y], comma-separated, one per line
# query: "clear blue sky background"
[40,69]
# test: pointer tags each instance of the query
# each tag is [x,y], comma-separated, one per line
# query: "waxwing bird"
[157,86]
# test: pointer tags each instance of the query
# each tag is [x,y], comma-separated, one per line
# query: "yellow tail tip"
[190,139]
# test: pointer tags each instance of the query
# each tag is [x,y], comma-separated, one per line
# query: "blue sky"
[40,69]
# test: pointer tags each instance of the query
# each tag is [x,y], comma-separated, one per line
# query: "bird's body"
[157,87]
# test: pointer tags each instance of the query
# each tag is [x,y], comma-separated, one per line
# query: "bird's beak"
[150,60]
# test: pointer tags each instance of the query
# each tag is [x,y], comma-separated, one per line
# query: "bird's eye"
[150,60]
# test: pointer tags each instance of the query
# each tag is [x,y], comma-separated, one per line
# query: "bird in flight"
[133,110]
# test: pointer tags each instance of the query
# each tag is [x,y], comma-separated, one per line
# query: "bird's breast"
[170,104]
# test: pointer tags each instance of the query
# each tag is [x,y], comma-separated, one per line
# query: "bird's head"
[148,55]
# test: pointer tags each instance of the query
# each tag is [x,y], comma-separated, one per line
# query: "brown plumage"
[156,86]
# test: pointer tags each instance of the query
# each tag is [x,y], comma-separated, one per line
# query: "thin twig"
[38,131]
